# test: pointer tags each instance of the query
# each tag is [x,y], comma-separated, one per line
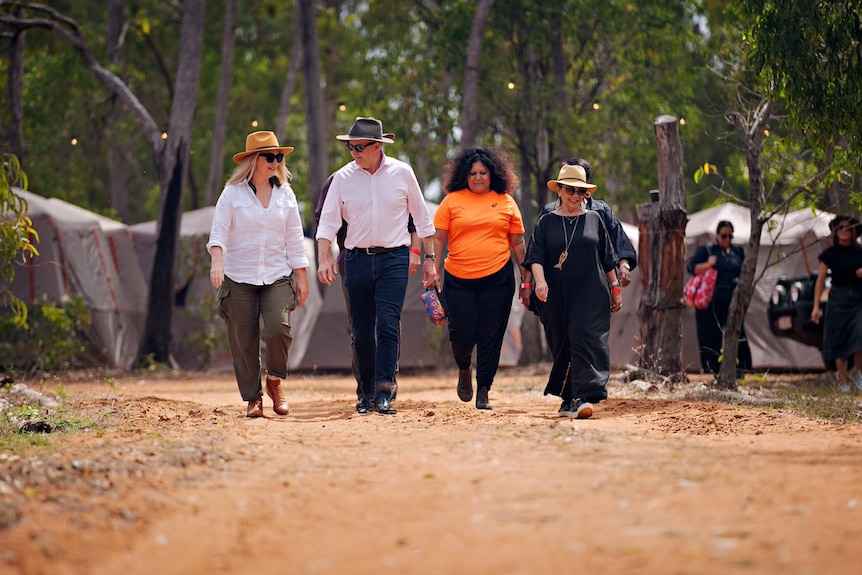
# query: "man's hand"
[625,273]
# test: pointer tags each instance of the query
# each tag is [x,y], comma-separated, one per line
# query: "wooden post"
[661,257]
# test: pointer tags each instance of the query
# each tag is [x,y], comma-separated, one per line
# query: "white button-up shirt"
[261,245]
[375,206]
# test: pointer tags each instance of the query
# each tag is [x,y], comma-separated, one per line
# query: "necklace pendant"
[563,256]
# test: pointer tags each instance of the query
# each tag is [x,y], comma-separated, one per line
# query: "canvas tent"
[81,252]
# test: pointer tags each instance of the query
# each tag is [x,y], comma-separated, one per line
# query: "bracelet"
[615,283]
[414,251]
[616,290]
[526,285]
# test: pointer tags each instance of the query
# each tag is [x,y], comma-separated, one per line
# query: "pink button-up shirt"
[375,206]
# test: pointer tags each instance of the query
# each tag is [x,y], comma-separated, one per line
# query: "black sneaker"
[465,384]
[567,409]
[583,409]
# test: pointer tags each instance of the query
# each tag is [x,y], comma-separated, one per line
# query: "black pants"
[478,312]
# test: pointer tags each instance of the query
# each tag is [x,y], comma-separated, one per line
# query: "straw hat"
[574,176]
[258,142]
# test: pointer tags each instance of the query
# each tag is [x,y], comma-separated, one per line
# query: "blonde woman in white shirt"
[259,267]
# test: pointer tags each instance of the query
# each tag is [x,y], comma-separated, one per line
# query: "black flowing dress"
[577,313]
[842,330]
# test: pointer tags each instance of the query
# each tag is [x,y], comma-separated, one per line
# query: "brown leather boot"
[255,408]
[273,390]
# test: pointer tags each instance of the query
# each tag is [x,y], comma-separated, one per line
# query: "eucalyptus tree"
[809,57]
[170,147]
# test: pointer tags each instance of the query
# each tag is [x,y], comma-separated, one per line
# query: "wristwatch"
[615,283]
[430,256]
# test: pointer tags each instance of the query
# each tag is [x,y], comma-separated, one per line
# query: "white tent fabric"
[81,252]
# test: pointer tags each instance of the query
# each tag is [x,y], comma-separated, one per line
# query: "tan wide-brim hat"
[574,176]
[367,129]
[258,142]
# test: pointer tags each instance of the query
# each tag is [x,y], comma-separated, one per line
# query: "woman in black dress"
[574,272]
[842,331]
[727,260]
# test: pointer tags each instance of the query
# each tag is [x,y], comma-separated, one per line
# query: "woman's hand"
[542,290]
[816,314]
[616,302]
[217,275]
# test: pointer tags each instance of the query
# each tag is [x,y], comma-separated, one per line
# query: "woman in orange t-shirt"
[484,228]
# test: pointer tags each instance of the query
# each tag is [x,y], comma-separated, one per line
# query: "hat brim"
[238,158]
[386,139]
[552,184]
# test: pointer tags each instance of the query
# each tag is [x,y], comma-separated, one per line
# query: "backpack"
[698,289]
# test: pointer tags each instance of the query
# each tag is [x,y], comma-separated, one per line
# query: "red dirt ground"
[174,479]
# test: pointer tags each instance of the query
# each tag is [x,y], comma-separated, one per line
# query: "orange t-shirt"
[478,226]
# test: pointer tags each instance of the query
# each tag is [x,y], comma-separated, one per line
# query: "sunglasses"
[571,191]
[726,236]
[270,158]
[358,148]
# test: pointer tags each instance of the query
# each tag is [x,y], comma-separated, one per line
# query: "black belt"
[376,250]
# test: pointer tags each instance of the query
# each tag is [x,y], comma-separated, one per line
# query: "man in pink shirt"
[375,195]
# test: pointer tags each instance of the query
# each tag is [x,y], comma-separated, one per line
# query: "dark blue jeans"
[376,285]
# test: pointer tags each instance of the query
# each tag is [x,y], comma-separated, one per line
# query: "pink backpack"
[698,289]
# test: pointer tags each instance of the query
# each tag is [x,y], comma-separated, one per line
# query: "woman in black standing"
[842,332]
[727,260]
[574,272]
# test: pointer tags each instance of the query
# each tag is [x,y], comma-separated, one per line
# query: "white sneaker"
[583,409]
[856,378]
[844,388]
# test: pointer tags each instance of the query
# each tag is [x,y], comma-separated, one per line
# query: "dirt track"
[176,480]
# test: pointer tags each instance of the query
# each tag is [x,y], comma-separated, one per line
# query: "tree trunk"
[749,128]
[317,172]
[16,94]
[561,110]
[469,107]
[533,345]
[296,56]
[156,341]
[118,165]
[661,257]
[215,175]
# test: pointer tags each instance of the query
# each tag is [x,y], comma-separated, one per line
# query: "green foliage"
[54,339]
[18,239]
[808,53]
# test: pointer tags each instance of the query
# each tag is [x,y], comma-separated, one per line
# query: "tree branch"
[73,37]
